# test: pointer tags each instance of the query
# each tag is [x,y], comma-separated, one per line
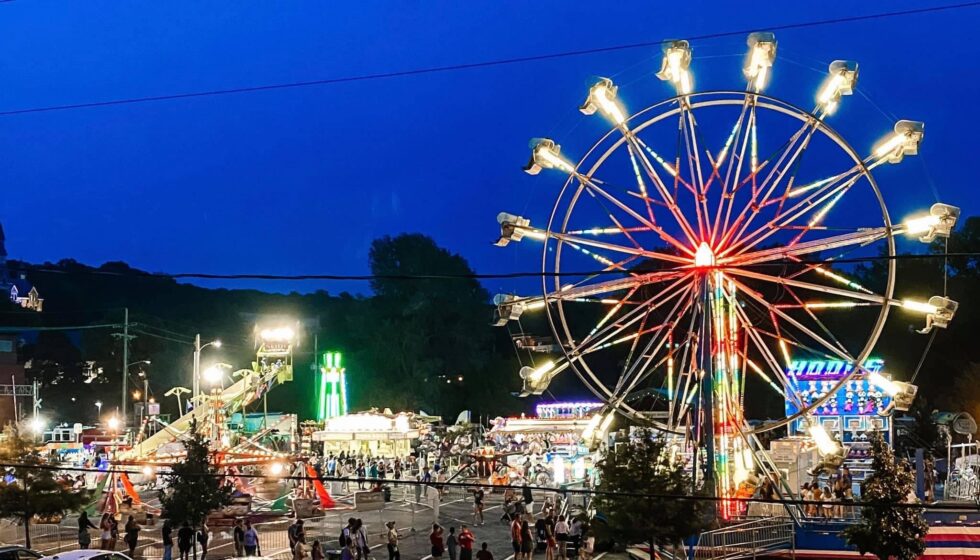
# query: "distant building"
[17,288]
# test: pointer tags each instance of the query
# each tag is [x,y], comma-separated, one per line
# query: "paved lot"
[414,521]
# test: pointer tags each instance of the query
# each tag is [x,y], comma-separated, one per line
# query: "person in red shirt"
[466,540]
[515,535]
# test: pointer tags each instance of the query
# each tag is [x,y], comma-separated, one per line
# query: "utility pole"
[196,382]
[125,363]
[125,356]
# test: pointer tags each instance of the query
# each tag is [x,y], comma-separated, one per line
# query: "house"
[17,288]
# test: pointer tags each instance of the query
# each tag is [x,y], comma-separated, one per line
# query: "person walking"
[113,533]
[203,538]
[132,535]
[452,543]
[84,524]
[435,540]
[515,536]
[466,540]
[527,541]
[295,534]
[105,532]
[167,539]
[393,553]
[528,498]
[361,542]
[251,540]
[478,496]
[185,536]
[483,553]
[238,538]
[561,535]
[316,551]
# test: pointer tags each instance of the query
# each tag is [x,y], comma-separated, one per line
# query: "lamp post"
[196,382]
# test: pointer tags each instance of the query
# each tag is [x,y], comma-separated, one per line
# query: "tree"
[194,488]
[887,529]
[644,463]
[34,492]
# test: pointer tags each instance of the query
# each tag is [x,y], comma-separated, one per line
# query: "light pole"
[142,374]
[98,405]
[196,382]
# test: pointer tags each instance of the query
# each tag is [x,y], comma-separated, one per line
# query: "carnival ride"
[233,450]
[702,245]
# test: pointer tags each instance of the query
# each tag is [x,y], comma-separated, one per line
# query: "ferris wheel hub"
[704,256]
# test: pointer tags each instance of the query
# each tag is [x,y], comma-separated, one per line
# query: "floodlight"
[762,54]
[602,98]
[545,154]
[938,223]
[904,141]
[842,77]
[676,66]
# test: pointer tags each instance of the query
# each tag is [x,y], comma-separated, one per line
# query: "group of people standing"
[458,547]
[551,534]
[108,532]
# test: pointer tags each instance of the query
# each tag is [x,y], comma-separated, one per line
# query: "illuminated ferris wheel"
[705,242]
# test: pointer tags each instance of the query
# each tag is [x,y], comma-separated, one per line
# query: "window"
[27,555]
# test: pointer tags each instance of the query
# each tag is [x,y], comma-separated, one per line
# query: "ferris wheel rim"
[674,106]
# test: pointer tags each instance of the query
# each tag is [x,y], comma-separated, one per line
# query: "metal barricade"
[747,540]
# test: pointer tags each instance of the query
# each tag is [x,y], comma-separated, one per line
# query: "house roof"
[22,285]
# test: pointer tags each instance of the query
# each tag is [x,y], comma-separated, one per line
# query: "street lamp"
[98,405]
[196,384]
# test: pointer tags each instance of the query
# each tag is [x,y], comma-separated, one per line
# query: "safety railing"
[746,540]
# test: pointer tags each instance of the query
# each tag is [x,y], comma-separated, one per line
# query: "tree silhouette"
[887,529]
[33,492]
[194,487]
[644,464]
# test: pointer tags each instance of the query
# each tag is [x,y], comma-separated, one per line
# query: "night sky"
[301,180]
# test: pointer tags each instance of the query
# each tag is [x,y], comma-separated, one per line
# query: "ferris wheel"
[705,243]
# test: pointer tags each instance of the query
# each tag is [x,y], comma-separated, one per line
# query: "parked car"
[88,555]
[17,552]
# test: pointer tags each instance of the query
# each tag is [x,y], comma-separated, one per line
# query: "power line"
[467,485]
[481,64]
[469,276]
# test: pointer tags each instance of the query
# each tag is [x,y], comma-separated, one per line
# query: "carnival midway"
[681,279]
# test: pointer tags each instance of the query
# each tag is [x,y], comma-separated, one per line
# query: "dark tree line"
[412,344]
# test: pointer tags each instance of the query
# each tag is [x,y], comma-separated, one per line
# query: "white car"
[88,555]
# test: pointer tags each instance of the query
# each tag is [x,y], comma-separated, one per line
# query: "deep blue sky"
[301,180]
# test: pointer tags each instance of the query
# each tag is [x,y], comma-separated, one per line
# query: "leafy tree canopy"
[34,492]
[194,488]
[644,464]
[886,529]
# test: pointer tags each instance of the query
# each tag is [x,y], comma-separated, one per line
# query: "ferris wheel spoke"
[863,236]
[609,335]
[786,158]
[688,137]
[637,372]
[723,158]
[831,290]
[594,188]
[789,319]
[614,285]
[589,242]
[768,357]
[821,200]
[808,308]
[642,151]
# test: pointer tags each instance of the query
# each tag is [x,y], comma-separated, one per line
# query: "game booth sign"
[862,405]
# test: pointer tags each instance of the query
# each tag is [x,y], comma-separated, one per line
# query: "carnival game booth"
[546,450]
[376,434]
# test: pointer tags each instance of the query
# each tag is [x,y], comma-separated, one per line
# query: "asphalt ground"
[413,520]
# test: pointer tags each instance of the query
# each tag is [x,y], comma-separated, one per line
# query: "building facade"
[16,286]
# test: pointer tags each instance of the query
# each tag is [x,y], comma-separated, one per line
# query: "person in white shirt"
[561,535]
